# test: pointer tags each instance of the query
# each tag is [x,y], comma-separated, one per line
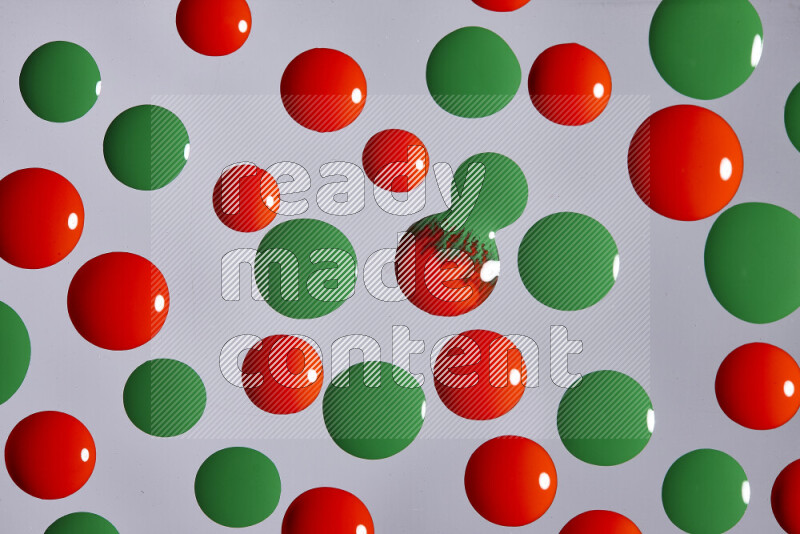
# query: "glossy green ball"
[472,72]
[791,116]
[705,48]
[15,352]
[373,410]
[705,492]
[752,261]
[81,523]
[146,147]
[606,418]
[60,81]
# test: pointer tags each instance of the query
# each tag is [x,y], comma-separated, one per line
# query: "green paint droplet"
[472,72]
[146,147]
[752,261]
[15,352]
[705,48]
[164,397]
[237,487]
[705,492]
[305,268]
[81,523]
[791,116]
[568,261]
[374,410]
[606,418]
[60,81]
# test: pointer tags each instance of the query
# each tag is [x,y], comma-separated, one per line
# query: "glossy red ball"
[600,522]
[785,496]
[323,89]
[501,5]
[758,386]
[118,301]
[213,27]
[395,160]
[41,218]
[50,455]
[328,510]
[569,84]
[246,198]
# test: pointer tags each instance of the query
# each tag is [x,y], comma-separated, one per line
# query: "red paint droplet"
[118,301]
[246,198]
[569,84]
[685,162]
[327,510]
[510,481]
[480,375]
[213,27]
[323,90]
[41,215]
[50,455]
[395,160]
[600,522]
[758,386]
[785,496]
[282,374]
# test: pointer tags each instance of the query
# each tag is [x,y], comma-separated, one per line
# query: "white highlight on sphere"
[491,235]
[186,151]
[424,409]
[270,201]
[755,54]
[615,267]
[159,303]
[725,169]
[84,455]
[420,164]
[746,492]
[97,88]
[72,221]
[514,377]
[356,96]
[544,481]
[243,26]
[788,388]
[490,270]
[599,90]
[361,529]
[651,420]
[312,375]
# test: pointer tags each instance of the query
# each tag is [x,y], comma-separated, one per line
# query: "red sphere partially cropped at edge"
[501,5]
[246,198]
[50,455]
[785,496]
[329,510]
[600,522]
[213,27]
[118,301]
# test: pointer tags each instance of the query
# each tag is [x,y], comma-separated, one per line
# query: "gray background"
[660,323]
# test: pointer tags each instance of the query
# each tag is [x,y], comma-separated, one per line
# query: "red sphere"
[501,5]
[118,301]
[50,455]
[510,481]
[328,510]
[480,375]
[395,160]
[213,27]
[785,496]
[685,162]
[41,218]
[756,386]
[569,84]
[246,198]
[282,374]
[600,522]
[323,90]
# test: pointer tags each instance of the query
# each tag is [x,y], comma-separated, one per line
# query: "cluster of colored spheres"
[373,410]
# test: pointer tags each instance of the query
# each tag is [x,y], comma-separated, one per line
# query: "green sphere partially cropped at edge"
[606,418]
[752,261]
[146,147]
[164,398]
[705,492]
[15,352]
[791,116]
[237,487]
[81,523]
[568,261]
[373,410]
[60,81]
[705,49]
[472,72]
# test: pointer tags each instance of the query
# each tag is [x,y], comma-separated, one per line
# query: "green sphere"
[164,398]
[60,81]
[373,410]
[606,418]
[752,261]
[705,492]
[568,261]
[237,487]
[15,352]
[472,72]
[146,147]
[705,48]
[81,523]
[305,268]
[791,116]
